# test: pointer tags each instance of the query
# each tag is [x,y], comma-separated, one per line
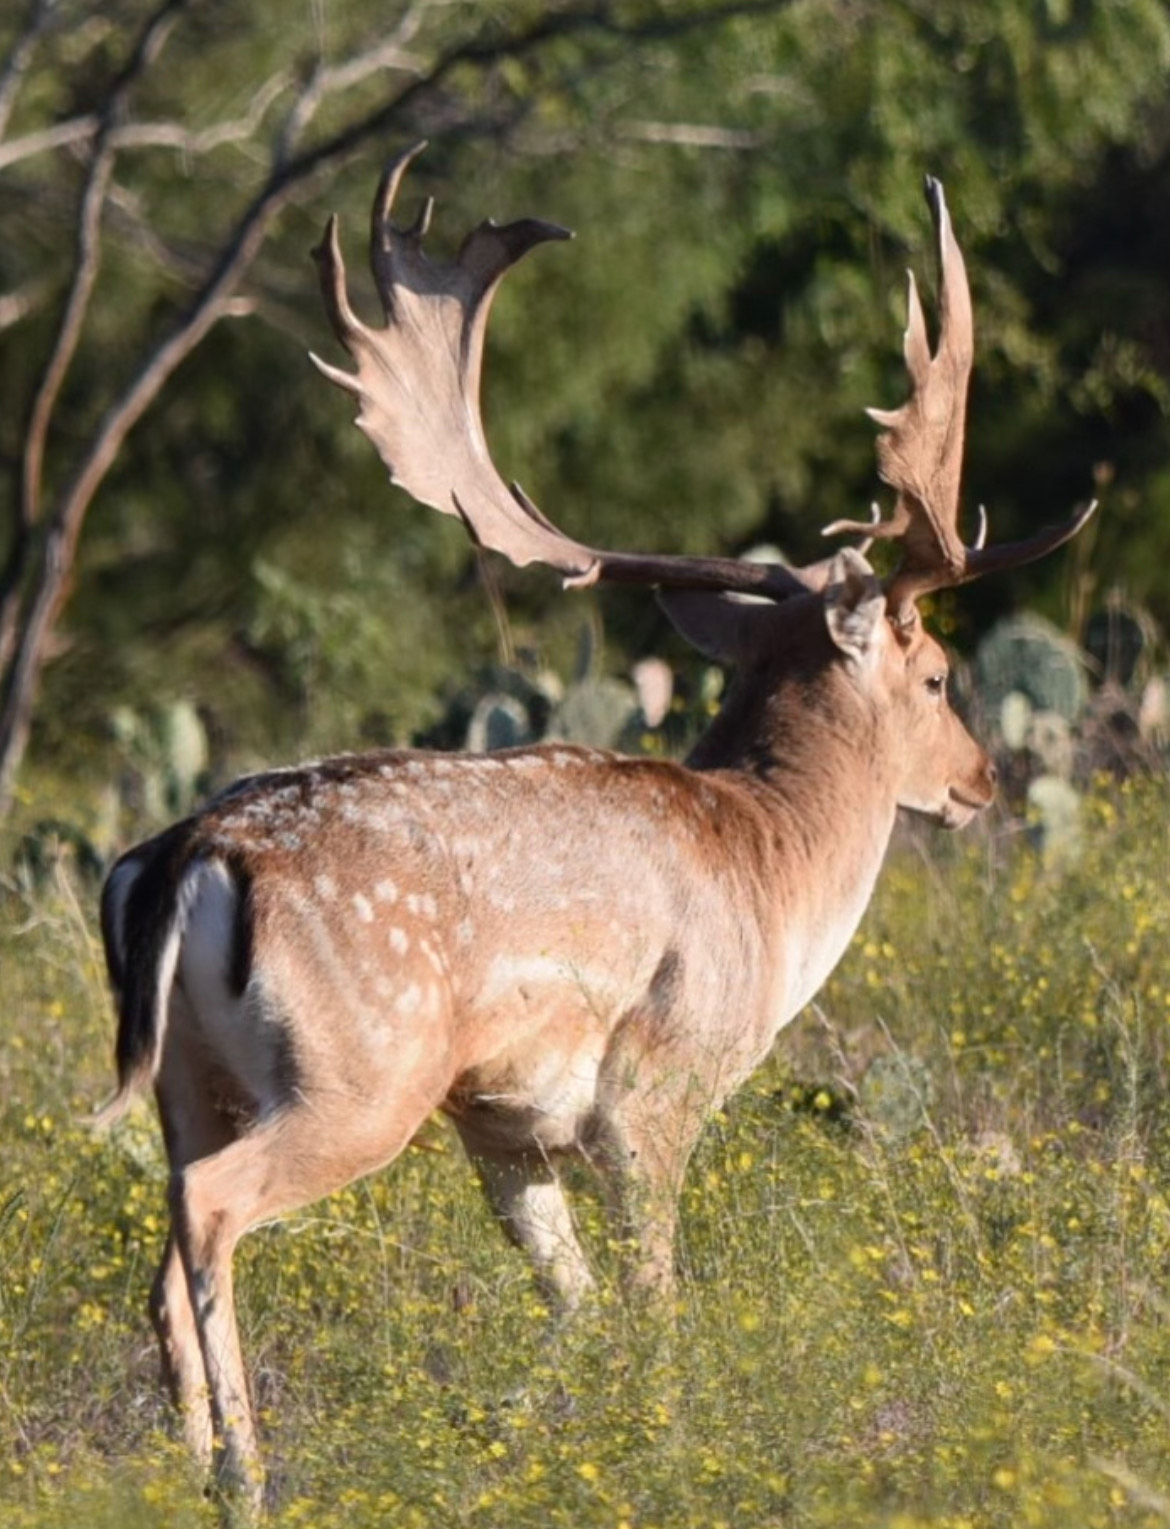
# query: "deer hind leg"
[290,1159]
[193,1128]
[525,1192]
[173,1320]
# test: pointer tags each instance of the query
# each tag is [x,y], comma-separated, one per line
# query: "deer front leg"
[640,1139]
[642,1196]
[526,1194]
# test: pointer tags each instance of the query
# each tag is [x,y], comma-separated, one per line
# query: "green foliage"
[958,1320]
[689,376]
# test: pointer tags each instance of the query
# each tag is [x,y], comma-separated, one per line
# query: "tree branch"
[40,13]
[693,135]
[20,302]
[87,262]
[26,623]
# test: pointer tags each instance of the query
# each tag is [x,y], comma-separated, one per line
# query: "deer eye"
[936,684]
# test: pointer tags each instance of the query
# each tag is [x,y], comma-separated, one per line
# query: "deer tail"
[143,915]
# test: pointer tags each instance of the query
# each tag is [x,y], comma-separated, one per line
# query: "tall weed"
[924,1255]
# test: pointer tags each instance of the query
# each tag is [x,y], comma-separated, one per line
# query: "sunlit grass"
[941,1301]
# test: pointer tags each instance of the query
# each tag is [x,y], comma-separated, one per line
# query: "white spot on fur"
[361,906]
[509,975]
[399,941]
[409,1001]
[433,957]
[386,892]
[325,888]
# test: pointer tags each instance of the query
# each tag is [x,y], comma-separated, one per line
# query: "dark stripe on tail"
[243,936]
[147,916]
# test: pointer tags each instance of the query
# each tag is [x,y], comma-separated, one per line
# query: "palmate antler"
[920,453]
[418,378]
[417,382]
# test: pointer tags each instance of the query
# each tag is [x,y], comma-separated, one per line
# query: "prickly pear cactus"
[167,753]
[1050,739]
[895,1094]
[1054,818]
[1122,641]
[596,711]
[504,707]
[1015,718]
[184,751]
[1026,655]
[499,721]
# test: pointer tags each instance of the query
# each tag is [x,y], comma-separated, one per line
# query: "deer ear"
[855,605]
[721,627]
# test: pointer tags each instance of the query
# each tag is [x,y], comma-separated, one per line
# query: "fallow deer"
[565,950]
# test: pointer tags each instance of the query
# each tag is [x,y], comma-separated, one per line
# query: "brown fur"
[569,952]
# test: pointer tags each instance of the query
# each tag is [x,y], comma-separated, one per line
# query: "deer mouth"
[961,806]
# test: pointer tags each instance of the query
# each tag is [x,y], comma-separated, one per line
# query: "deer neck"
[810,761]
[812,728]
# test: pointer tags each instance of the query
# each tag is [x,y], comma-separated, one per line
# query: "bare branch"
[331,79]
[149,135]
[61,135]
[172,135]
[596,18]
[17,304]
[88,259]
[15,67]
[31,602]
[126,214]
[693,135]
[86,264]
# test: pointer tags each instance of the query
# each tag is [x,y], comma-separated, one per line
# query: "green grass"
[926,1255]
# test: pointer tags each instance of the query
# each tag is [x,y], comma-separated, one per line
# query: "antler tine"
[383,205]
[981,560]
[417,385]
[920,452]
[921,448]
